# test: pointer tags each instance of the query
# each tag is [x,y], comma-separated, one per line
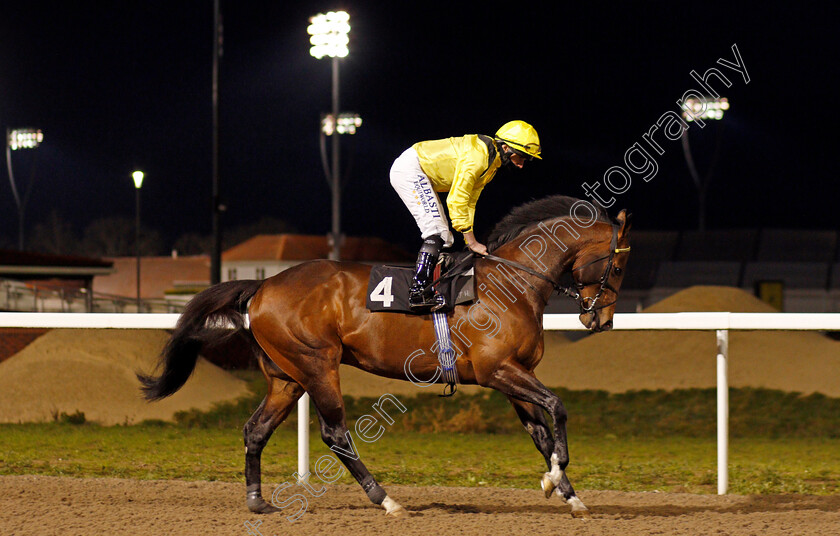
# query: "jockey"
[461,166]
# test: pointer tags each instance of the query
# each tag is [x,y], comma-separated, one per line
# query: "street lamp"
[138,182]
[706,108]
[20,138]
[329,37]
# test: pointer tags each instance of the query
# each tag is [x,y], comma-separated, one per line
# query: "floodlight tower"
[329,37]
[16,139]
[328,33]
[702,109]
[218,207]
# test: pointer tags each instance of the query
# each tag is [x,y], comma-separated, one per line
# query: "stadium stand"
[799,275]
[719,245]
[796,245]
[649,249]
[681,274]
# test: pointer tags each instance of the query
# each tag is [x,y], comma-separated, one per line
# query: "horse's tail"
[203,321]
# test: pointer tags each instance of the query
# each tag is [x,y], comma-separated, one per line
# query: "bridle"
[604,280]
[586,304]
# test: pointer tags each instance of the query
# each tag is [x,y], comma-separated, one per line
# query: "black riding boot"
[421,298]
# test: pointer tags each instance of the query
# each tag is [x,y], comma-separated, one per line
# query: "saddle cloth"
[388,285]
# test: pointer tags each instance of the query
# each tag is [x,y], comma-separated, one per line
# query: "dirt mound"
[712,299]
[620,361]
[92,371]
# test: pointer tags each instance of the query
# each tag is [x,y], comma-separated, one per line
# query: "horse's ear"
[624,221]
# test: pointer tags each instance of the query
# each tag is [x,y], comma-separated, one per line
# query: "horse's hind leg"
[326,395]
[273,410]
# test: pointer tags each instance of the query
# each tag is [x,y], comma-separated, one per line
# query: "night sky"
[122,85]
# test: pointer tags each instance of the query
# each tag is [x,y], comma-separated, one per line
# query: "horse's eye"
[617,270]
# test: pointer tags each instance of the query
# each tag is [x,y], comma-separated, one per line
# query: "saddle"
[453,278]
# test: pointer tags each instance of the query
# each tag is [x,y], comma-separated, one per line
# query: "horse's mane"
[533,212]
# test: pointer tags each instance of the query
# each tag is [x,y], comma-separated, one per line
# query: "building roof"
[157,275]
[161,274]
[295,247]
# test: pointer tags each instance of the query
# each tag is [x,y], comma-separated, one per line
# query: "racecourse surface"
[39,505]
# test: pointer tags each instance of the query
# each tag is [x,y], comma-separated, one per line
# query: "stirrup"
[423,299]
[438,302]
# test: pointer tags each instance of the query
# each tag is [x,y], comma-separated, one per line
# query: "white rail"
[89,320]
[720,322]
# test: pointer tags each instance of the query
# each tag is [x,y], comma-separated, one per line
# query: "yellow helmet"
[521,137]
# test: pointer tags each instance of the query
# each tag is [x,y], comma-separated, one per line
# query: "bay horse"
[309,319]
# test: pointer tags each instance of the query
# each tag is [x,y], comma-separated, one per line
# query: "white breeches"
[415,190]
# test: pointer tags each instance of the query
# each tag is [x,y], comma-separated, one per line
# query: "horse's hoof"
[547,485]
[393,508]
[259,506]
[398,513]
[579,510]
[581,514]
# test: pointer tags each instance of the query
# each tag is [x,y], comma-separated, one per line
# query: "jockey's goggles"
[528,151]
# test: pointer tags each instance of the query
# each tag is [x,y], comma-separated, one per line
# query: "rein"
[560,289]
[587,305]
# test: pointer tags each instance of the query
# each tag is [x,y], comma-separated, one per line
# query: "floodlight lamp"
[329,34]
[704,108]
[24,138]
[327,124]
[348,123]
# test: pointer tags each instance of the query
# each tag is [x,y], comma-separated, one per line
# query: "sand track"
[38,505]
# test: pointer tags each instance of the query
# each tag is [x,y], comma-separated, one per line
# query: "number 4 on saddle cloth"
[453,278]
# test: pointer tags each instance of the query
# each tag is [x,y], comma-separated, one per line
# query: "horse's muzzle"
[590,322]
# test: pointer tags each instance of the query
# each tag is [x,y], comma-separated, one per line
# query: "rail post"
[303,438]
[722,410]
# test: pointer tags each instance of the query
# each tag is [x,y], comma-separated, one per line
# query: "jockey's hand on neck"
[474,244]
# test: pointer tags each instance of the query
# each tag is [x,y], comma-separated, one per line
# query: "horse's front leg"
[555,480]
[533,419]
[529,398]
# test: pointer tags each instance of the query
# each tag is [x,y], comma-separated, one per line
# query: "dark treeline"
[115,237]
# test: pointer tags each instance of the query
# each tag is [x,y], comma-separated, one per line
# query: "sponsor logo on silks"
[423,191]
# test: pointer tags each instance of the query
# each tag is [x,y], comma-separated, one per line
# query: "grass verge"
[758,465]
[638,441]
[685,412]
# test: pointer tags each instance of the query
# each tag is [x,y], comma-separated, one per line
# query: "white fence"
[19,296]
[721,323]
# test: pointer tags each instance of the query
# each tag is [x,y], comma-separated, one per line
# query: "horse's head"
[598,270]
